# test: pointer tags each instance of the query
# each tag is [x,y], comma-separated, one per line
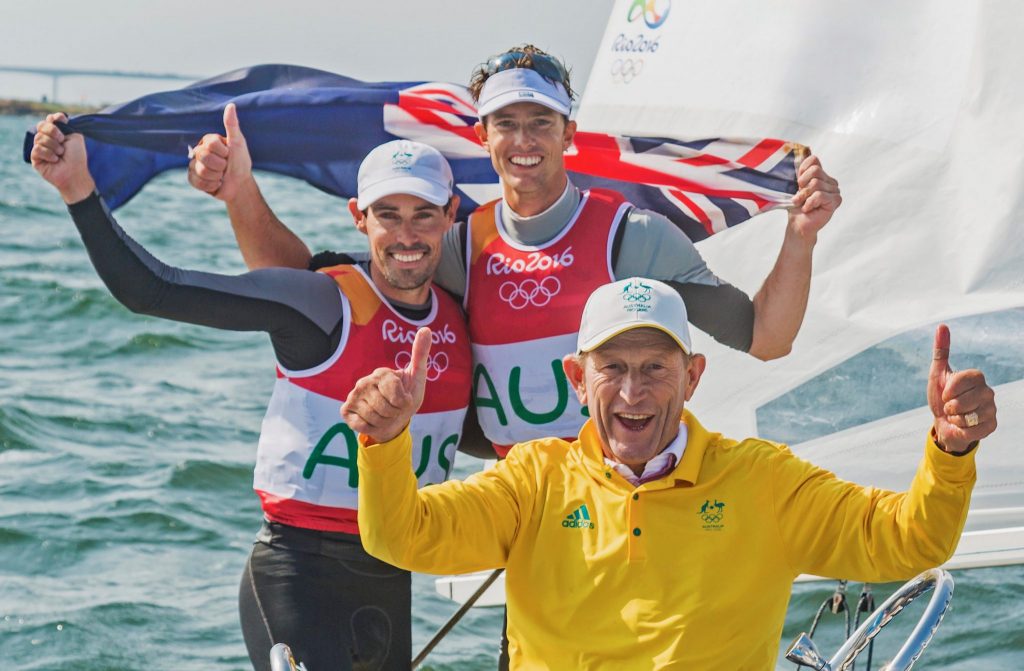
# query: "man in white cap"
[652,541]
[525,263]
[308,582]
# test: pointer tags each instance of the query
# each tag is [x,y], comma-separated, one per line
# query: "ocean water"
[127,444]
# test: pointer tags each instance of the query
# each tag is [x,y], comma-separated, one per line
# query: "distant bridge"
[57,73]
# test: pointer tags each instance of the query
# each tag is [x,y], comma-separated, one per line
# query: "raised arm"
[300,310]
[652,246]
[780,304]
[222,167]
[838,529]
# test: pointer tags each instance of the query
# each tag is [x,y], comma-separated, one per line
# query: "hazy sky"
[371,40]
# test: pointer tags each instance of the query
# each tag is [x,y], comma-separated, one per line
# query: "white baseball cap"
[403,166]
[629,304]
[518,85]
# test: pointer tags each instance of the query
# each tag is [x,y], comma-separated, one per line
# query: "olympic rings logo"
[401,159]
[712,513]
[626,70]
[637,291]
[529,292]
[437,363]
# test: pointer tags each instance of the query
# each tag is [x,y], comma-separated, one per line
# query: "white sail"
[917,110]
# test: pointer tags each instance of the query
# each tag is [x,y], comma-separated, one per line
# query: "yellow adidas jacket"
[692,571]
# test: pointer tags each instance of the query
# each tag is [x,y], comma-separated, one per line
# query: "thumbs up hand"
[382,403]
[221,164]
[962,402]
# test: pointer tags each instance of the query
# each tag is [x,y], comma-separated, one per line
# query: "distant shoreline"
[34,108]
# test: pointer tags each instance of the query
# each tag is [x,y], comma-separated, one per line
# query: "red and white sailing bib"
[524,305]
[306,473]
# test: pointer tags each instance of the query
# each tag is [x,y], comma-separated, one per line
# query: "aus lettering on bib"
[525,401]
[338,447]
[308,476]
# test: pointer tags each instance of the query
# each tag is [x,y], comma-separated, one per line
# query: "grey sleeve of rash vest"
[652,246]
[451,272]
[301,311]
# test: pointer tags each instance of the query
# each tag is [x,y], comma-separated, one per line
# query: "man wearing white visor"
[530,259]
[657,543]
[308,582]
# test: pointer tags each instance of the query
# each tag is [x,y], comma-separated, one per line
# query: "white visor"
[521,85]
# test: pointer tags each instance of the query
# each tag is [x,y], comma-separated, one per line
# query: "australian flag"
[317,126]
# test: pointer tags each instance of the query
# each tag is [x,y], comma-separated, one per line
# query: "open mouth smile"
[525,161]
[408,257]
[633,421]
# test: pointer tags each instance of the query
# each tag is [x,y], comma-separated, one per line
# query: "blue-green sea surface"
[127,444]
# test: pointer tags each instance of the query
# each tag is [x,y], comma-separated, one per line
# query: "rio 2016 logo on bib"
[392,331]
[499,264]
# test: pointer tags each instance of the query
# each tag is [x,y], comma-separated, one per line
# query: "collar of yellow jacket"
[686,471]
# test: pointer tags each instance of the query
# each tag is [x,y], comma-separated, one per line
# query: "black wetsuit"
[319,592]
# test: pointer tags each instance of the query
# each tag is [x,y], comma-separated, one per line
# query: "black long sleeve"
[301,310]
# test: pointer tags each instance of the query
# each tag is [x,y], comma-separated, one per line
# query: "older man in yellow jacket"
[651,542]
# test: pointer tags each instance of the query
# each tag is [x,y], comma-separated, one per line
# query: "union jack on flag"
[318,126]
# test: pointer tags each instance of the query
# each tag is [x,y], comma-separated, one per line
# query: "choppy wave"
[148,342]
[204,475]
[146,526]
[15,430]
[37,553]
[144,634]
[51,301]
[16,208]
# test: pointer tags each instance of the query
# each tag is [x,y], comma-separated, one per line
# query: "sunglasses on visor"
[546,66]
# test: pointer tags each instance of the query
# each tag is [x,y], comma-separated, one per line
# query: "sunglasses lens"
[548,67]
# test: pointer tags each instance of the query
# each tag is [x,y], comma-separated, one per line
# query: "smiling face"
[634,387]
[526,142]
[405,235]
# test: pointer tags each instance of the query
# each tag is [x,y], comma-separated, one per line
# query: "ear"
[357,216]
[453,209]
[481,134]
[572,366]
[695,369]
[568,135]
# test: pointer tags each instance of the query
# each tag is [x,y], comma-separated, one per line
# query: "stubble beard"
[407,280]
